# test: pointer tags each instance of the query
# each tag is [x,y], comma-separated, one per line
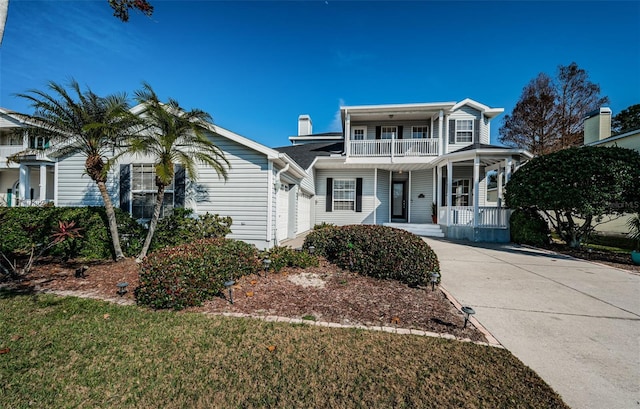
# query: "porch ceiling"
[341,163]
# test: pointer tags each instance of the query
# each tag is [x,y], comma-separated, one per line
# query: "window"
[464,130]
[359,134]
[492,185]
[38,142]
[460,192]
[344,194]
[143,189]
[419,132]
[388,132]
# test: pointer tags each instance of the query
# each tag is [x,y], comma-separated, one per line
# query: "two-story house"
[425,167]
[403,164]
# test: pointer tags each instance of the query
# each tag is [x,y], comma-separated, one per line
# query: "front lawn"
[71,352]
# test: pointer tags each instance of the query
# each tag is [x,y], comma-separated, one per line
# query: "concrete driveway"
[576,323]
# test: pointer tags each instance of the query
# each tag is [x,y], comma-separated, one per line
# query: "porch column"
[25,186]
[409,200]
[375,195]
[449,191]
[347,136]
[476,190]
[499,187]
[440,130]
[438,193]
[507,170]
[43,182]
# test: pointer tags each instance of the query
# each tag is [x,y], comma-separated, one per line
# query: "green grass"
[70,352]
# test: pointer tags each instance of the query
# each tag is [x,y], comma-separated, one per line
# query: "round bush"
[376,251]
[528,227]
[186,275]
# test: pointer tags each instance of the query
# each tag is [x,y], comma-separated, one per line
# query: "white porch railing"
[395,147]
[497,217]
[34,203]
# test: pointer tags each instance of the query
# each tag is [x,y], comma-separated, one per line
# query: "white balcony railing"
[465,215]
[395,147]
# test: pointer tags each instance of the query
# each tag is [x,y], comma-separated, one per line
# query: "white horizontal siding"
[406,126]
[75,187]
[383,197]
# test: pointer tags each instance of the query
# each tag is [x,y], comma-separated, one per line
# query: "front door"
[399,201]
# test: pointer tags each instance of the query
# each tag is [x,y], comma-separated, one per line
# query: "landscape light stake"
[122,288]
[265,265]
[312,249]
[228,285]
[434,279]
[468,312]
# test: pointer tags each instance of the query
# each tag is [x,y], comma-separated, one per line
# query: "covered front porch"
[470,189]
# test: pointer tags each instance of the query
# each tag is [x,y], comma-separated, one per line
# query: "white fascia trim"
[395,108]
[480,152]
[614,138]
[311,138]
[487,111]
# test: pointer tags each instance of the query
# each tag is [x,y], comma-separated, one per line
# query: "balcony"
[393,148]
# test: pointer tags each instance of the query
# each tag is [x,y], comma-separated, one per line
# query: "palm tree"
[173,136]
[83,123]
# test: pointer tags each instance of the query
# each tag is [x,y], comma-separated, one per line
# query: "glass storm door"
[399,201]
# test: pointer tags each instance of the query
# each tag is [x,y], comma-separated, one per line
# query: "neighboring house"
[597,132]
[392,162]
[261,183]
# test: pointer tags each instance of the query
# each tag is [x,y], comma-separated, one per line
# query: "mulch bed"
[345,297]
[617,260]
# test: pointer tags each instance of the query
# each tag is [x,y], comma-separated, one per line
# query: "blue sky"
[256,66]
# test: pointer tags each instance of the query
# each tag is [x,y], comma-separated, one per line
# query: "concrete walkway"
[576,323]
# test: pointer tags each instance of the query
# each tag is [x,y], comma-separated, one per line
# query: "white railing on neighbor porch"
[496,217]
[395,147]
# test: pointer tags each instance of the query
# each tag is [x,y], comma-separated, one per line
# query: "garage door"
[282,224]
[304,212]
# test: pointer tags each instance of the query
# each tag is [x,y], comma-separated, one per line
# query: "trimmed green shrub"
[377,251]
[21,228]
[287,257]
[186,275]
[182,226]
[528,227]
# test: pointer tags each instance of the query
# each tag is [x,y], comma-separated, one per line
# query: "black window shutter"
[476,131]
[359,195]
[452,131]
[329,195]
[378,132]
[179,184]
[400,132]
[125,188]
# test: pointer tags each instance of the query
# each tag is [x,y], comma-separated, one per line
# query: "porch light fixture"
[312,249]
[468,312]
[228,285]
[122,288]
[265,265]
[434,279]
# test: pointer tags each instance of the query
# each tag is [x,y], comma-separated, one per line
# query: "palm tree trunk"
[111,218]
[152,224]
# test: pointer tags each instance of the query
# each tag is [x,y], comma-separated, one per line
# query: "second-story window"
[419,132]
[464,130]
[358,134]
[388,132]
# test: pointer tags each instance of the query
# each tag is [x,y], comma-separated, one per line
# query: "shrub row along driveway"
[576,323]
